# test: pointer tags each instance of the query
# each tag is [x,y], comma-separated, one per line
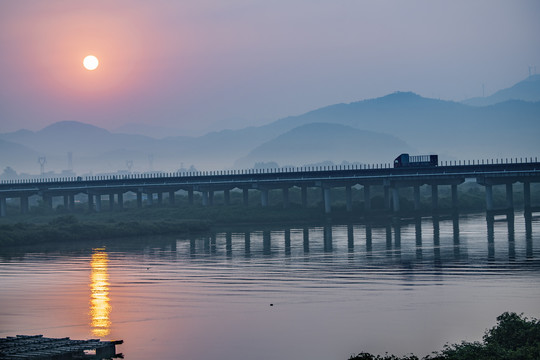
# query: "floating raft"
[38,347]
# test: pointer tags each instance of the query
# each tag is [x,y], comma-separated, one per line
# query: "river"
[316,292]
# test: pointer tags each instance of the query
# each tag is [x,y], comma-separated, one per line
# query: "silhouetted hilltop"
[397,112]
[526,90]
[17,156]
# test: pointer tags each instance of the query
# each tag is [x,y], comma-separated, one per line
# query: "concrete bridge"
[487,173]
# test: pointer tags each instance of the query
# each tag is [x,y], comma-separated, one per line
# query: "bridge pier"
[160,198]
[489,197]
[227,196]
[71,200]
[395,198]
[387,203]
[510,197]
[527,195]
[304,195]
[150,198]
[417,197]
[509,208]
[120,200]
[205,198]
[190,196]
[327,200]
[66,203]
[285,197]
[90,202]
[111,202]
[527,198]
[210,197]
[367,198]
[47,200]
[139,199]
[3,206]
[245,196]
[434,197]
[454,199]
[24,204]
[171,197]
[348,197]
[98,202]
[264,197]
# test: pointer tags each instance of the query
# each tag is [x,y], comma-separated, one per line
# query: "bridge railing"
[156,175]
[184,174]
[495,161]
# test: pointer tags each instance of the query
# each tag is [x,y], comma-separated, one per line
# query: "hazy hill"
[396,121]
[97,150]
[317,142]
[18,157]
[153,131]
[88,143]
[526,90]
[434,126]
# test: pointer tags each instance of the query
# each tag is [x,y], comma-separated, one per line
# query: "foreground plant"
[515,337]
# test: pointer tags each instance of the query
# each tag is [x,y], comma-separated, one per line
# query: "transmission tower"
[42,160]
[129,165]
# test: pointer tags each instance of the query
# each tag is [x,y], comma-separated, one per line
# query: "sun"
[90,62]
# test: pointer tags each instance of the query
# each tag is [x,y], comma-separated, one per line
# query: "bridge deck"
[322,177]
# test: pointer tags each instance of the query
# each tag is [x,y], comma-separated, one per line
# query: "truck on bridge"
[406,160]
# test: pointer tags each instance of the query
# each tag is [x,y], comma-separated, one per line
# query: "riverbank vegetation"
[66,228]
[60,225]
[515,337]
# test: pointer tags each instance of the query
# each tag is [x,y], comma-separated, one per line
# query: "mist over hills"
[374,130]
[319,142]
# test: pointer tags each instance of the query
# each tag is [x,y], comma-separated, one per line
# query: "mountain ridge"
[451,129]
[526,90]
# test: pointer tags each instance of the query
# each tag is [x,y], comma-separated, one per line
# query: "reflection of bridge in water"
[207,183]
[421,237]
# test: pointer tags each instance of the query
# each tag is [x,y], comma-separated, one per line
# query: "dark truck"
[406,160]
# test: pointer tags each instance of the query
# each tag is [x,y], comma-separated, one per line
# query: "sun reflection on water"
[100,308]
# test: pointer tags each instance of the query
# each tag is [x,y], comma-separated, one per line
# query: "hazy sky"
[213,64]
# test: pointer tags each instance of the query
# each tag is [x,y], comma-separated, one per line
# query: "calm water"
[335,290]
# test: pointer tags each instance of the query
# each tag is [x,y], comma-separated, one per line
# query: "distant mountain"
[397,113]
[374,130]
[18,157]
[526,90]
[97,150]
[316,142]
[153,131]
[451,129]
[93,148]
